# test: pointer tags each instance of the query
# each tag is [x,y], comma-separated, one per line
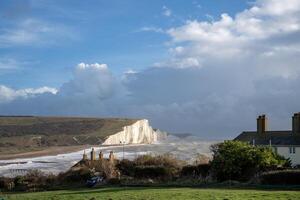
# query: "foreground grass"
[156,193]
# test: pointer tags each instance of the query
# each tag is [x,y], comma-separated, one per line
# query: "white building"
[285,143]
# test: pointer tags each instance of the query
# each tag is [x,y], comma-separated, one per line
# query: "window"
[292,150]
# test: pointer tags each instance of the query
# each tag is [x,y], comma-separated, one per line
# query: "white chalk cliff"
[138,133]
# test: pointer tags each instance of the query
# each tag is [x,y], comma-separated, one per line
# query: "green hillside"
[26,133]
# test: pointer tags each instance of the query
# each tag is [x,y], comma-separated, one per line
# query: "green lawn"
[157,193]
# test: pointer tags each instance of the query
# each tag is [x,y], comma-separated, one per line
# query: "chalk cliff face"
[138,133]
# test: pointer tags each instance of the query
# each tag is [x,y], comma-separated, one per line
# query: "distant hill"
[28,133]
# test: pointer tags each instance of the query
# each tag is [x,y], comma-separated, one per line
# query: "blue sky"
[95,31]
[202,67]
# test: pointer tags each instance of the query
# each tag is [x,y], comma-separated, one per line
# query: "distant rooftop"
[264,137]
[280,138]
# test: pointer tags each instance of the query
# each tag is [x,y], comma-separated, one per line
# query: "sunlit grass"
[157,193]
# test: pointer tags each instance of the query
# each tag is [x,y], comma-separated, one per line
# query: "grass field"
[156,193]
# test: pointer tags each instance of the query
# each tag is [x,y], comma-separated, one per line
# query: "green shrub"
[34,180]
[155,172]
[113,181]
[234,160]
[126,167]
[81,175]
[284,177]
[201,170]
[149,166]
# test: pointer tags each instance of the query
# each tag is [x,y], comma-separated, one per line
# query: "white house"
[285,143]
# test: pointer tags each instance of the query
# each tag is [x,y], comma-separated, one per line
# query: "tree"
[235,160]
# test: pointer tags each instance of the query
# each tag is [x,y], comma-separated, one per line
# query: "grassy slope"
[23,134]
[157,194]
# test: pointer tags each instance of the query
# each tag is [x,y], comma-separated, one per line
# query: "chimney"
[111,156]
[296,123]
[262,124]
[84,156]
[100,155]
[93,155]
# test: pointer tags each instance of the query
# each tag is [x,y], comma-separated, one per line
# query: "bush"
[80,175]
[166,160]
[34,180]
[148,166]
[201,159]
[195,171]
[6,183]
[113,181]
[284,177]
[234,160]
[126,167]
[155,172]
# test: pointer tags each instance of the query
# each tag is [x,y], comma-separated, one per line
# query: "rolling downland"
[24,134]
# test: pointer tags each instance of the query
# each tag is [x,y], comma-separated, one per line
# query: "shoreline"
[55,150]
[51,151]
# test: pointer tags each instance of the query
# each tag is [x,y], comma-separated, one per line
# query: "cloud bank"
[219,76]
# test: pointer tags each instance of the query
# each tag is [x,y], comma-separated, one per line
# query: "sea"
[184,148]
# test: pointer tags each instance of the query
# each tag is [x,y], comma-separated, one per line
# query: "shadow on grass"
[110,190]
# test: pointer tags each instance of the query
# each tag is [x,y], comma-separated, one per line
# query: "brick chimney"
[93,154]
[100,155]
[262,124]
[84,156]
[111,156]
[296,123]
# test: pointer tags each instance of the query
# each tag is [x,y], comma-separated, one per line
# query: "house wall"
[285,151]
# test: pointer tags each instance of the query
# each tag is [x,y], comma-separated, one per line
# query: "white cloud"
[219,76]
[276,7]
[180,63]
[34,32]
[151,29]
[269,28]
[130,71]
[95,66]
[166,11]
[9,64]
[254,23]
[89,92]
[8,94]
[90,80]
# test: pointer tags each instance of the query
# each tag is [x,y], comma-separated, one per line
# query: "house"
[285,143]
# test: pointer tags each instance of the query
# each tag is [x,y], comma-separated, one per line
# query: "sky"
[201,67]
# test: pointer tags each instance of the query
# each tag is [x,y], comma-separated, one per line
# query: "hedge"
[155,172]
[284,177]
[195,171]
